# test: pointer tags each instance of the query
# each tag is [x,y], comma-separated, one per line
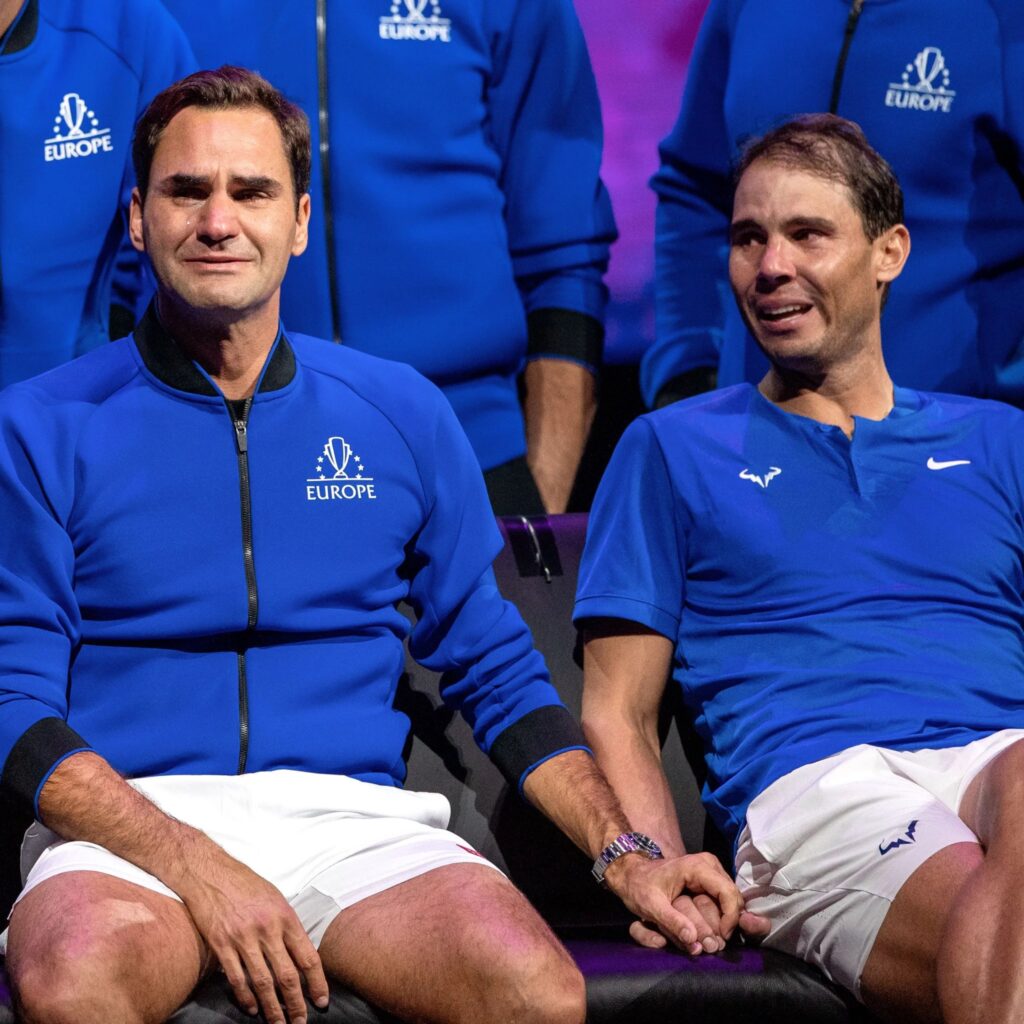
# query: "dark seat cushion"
[630,985]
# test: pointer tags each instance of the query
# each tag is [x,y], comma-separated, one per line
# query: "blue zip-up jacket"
[74,76]
[462,194]
[190,589]
[938,87]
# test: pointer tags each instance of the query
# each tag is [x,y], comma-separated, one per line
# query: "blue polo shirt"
[820,592]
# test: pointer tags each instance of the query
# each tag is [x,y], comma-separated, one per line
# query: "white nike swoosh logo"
[932,464]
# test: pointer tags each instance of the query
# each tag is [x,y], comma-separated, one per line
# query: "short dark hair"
[835,149]
[227,87]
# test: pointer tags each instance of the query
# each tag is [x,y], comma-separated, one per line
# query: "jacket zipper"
[851,26]
[324,131]
[252,596]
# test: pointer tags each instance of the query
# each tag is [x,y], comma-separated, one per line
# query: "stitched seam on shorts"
[782,891]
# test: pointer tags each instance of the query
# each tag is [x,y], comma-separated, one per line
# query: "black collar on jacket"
[23,29]
[167,362]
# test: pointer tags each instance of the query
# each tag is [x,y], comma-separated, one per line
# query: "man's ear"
[892,248]
[135,221]
[301,225]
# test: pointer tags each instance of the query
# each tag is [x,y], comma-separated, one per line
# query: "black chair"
[537,571]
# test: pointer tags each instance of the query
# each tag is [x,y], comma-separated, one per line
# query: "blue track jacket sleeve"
[39,619]
[163,56]
[694,201]
[545,122]
[464,628]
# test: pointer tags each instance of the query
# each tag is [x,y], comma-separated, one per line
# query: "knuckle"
[262,982]
[307,960]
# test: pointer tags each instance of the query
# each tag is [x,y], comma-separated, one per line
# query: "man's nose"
[776,262]
[217,218]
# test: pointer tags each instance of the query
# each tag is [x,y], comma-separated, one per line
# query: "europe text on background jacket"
[938,87]
[455,184]
[200,591]
[74,76]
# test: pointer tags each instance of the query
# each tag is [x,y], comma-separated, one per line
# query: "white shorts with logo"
[325,841]
[827,847]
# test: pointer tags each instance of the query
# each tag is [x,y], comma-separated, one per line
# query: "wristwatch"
[628,842]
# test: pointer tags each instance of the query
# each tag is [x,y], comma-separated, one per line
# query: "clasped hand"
[688,900]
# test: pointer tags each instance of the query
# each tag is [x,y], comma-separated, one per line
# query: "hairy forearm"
[86,799]
[559,409]
[572,792]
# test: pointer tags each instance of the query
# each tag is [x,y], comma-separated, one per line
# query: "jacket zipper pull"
[241,437]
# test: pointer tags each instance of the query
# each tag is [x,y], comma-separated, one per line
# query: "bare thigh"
[900,979]
[459,943]
[84,945]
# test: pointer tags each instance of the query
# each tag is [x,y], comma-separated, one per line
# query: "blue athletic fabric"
[464,188]
[819,592]
[123,589]
[953,323]
[64,253]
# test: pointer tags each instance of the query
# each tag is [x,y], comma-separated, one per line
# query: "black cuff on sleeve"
[536,736]
[686,385]
[565,334]
[32,758]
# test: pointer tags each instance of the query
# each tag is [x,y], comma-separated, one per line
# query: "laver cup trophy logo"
[76,131]
[331,479]
[929,90]
[72,109]
[338,452]
[411,19]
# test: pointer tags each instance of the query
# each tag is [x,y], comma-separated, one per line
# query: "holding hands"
[688,900]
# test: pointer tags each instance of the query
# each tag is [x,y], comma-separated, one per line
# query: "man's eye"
[806,234]
[744,241]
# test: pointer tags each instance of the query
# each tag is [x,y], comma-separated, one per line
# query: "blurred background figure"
[938,87]
[459,221]
[74,75]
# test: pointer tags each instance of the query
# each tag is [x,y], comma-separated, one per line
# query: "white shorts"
[827,847]
[325,841]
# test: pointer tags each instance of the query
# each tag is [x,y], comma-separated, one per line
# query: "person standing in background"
[459,221]
[936,87]
[74,76]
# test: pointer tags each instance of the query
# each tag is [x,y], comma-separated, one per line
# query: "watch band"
[628,842]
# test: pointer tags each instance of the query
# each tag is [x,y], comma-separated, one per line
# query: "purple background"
[640,50]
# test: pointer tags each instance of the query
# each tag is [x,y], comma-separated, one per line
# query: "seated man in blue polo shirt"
[831,567]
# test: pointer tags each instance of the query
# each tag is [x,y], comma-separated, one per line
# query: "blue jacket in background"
[463,152]
[74,76]
[938,87]
[187,596]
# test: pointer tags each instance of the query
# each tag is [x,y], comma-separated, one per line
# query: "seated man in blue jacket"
[208,527]
[830,566]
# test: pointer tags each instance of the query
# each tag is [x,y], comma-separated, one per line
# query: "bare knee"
[542,986]
[71,982]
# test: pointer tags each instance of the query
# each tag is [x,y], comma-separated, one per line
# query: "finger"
[237,979]
[705,940]
[287,980]
[306,958]
[643,935]
[708,909]
[754,926]
[261,981]
[713,880]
